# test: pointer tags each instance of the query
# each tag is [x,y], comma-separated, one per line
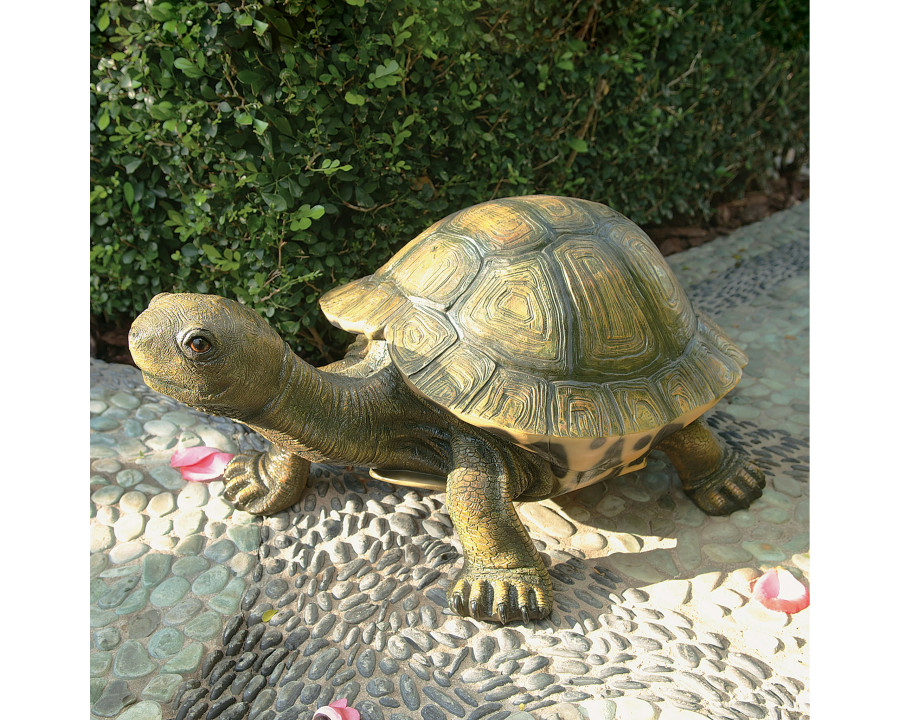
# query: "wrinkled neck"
[325,416]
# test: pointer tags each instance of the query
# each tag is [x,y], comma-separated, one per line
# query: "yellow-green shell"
[552,321]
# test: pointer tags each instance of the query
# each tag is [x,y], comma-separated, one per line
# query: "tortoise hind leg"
[717,478]
[503,578]
[266,483]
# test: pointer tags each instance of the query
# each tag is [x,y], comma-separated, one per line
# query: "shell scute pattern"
[549,320]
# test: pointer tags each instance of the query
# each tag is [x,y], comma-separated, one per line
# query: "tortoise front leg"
[717,478]
[266,483]
[503,578]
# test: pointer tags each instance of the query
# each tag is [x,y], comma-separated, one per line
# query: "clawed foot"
[501,594]
[732,486]
[265,483]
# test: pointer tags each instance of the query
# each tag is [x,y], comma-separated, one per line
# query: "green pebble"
[189,566]
[246,537]
[775,515]
[165,643]
[186,661]
[123,571]
[764,552]
[107,495]
[98,685]
[107,638]
[146,710]
[180,418]
[101,618]
[132,661]
[98,406]
[155,568]
[124,400]
[129,477]
[204,627]
[211,581]
[221,551]
[103,424]
[100,663]
[127,552]
[169,592]
[162,688]
[132,428]
[726,553]
[100,450]
[168,477]
[134,602]
[191,545]
[162,428]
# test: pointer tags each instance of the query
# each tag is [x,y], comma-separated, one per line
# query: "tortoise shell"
[552,321]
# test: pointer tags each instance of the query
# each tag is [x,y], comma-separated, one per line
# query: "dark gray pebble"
[379,687]
[222,667]
[231,627]
[217,708]
[534,663]
[483,710]
[645,643]
[210,661]
[244,661]
[369,710]
[254,634]
[320,664]
[324,625]
[501,693]
[275,656]
[297,671]
[296,638]
[309,693]
[389,702]
[216,689]
[494,683]
[748,709]
[235,712]
[270,638]
[755,667]
[365,663]
[359,613]
[253,688]
[444,700]
[250,597]
[430,712]
[314,646]
[388,665]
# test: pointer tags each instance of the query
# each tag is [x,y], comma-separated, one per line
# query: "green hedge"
[267,151]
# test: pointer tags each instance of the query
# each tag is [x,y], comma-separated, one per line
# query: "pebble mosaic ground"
[202,611]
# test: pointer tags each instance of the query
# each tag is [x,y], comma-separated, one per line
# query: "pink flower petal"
[200,464]
[777,589]
[189,456]
[337,710]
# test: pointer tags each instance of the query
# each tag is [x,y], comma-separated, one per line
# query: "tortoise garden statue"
[516,350]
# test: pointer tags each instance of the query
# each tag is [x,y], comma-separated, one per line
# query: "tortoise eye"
[199,345]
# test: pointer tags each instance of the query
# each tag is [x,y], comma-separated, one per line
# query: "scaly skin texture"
[716,478]
[503,577]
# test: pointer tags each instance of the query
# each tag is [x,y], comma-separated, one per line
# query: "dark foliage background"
[266,151]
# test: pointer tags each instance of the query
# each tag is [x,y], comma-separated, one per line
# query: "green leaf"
[103,121]
[128,192]
[355,3]
[275,201]
[103,22]
[578,145]
[188,67]
[354,99]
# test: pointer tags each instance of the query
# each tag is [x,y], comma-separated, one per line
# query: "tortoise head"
[208,352]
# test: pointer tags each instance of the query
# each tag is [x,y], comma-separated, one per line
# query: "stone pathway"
[202,611]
